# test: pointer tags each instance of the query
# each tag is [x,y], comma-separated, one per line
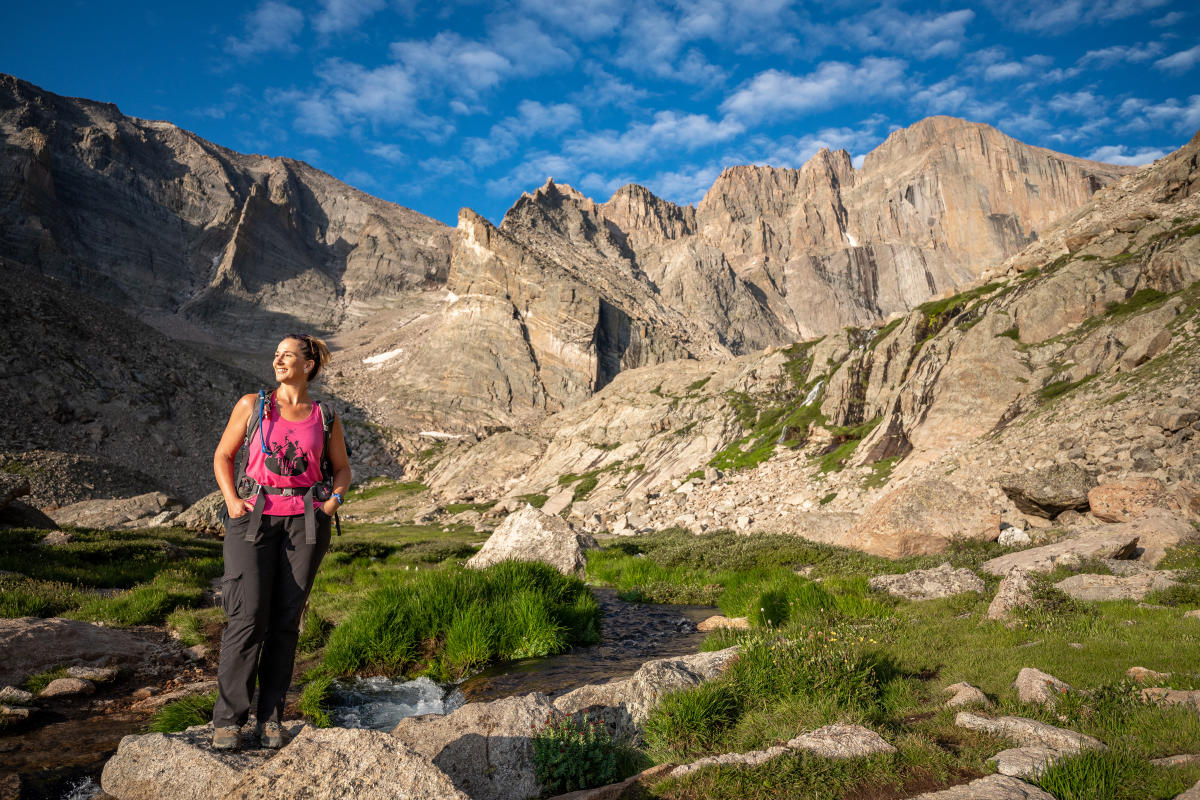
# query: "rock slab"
[1029,732]
[1015,591]
[531,535]
[1096,588]
[993,787]
[1049,492]
[929,584]
[336,763]
[1100,544]
[1039,688]
[29,645]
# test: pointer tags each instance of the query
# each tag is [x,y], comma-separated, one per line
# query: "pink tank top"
[294,460]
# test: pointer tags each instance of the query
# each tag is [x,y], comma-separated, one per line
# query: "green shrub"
[314,697]
[314,631]
[509,610]
[35,683]
[571,753]
[690,722]
[182,714]
[1094,775]
[27,597]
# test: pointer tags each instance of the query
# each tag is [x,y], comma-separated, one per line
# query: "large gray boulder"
[205,515]
[921,517]
[152,508]
[1029,732]
[180,766]
[929,584]
[29,645]
[1117,587]
[993,787]
[1096,543]
[1026,762]
[660,677]
[486,749]
[1049,492]
[337,763]
[1015,591]
[1039,688]
[530,535]
[839,741]
[11,487]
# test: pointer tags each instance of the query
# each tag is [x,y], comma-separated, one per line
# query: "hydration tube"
[262,407]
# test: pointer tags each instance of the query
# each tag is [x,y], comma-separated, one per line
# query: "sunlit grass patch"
[183,713]
[510,610]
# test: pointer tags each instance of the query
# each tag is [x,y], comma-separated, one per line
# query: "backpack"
[247,486]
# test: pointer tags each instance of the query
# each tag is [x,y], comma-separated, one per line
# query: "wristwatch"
[337,496]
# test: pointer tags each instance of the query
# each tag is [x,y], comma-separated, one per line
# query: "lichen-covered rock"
[1103,543]
[1121,501]
[1025,762]
[1039,688]
[1116,587]
[1050,491]
[486,749]
[181,766]
[337,763]
[123,512]
[31,645]
[662,676]
[67,687]
[531,535]
[929,584]
[923,517]
[1029,732]
[204,515]
[1015,591]
[993,787]
[965,694]
[841,741]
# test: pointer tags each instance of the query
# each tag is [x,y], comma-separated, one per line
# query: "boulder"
[1014,537]
[1103,543]
[336,763]
[67,687]
[57,539]
[993,787]
[181,766]
[1191,794]
[965,694]
[94,674]
[14,696]
[654,679]
[832,741]
[1172,697]
[631,788]
[1015,591]
[929,584]
[11,487]
[718,621]
[922,517]
[1025,762]
[841,741]
[1116,587]
[205,515]
[604,702]
[1121,501]
[16,514]
[1050,491]
[486,749]
[29,645]
[531,535]
[1029,732]
[119,513]
[154,702]
[1157,530]
[1144,675]
[1039,688]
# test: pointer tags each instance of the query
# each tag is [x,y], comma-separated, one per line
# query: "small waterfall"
[380,703]
[812,394]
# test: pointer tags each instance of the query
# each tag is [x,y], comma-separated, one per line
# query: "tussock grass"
[183,713]
[446,623]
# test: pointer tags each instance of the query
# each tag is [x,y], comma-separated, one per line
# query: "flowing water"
[631,635]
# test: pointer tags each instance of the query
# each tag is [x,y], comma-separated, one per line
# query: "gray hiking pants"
[265,587]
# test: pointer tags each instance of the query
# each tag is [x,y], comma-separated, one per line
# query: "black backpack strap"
[243,481]
[327,418]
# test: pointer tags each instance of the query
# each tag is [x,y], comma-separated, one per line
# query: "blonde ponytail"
[314,350]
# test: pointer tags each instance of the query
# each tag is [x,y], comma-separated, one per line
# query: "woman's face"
[290,364]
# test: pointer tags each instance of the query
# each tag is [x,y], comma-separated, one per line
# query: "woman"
[274,539]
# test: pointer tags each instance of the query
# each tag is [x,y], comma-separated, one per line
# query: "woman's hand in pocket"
[240,508]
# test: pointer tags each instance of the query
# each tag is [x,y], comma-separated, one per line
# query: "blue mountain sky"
[449,104]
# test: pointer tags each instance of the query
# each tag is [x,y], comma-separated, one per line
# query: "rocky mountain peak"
[644,217]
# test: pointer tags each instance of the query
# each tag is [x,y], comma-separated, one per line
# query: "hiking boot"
[272,736]
[227,738]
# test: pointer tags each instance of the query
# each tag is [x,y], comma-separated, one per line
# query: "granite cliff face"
[189,235]
[464,331]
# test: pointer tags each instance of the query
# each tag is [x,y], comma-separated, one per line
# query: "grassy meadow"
[822,647]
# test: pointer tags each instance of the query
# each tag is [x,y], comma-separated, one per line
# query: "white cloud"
[684,186]
[794,151]
[607,90]
[532,118]
[669,130]
[1181,62]
[390,153]
[1117,54]
[919,35]
[951,97]
[273,26]
[528,48]
[586,19]
[385,93]
[1144,115]
[1120,154]
[1169,19]
[337,16]
[360,179]
[532,172]
[1057,17]
[777,93]
[1083,103]
[463,65]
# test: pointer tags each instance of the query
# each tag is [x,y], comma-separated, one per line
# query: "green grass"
[1013,333]
[535,500]
[446,623]
[157,570]
[1139,301]
[881,470]
[385,487]
[183,713]
[697,385]
[35,683]
[458,508]
[1058,388]
[1114,775]
[193,625]
[846,441]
